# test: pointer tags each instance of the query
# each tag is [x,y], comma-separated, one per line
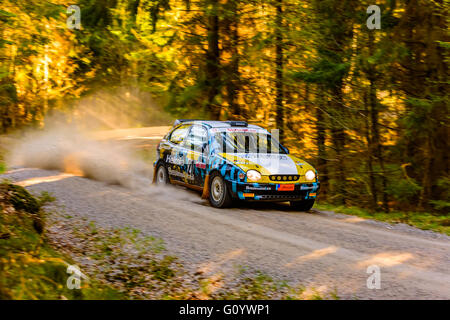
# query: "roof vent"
[237,123]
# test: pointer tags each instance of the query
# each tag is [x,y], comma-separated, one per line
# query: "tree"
[279,94]
[422,75]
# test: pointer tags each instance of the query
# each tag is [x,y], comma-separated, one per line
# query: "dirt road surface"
[320,250]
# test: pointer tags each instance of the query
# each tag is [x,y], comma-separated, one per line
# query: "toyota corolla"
[233,160]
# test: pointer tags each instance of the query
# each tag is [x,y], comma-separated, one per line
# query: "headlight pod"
[310,175]
[253,175]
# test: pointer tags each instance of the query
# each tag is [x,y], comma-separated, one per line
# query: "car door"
[176,158]
[196,150]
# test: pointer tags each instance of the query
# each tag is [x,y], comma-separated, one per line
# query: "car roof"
[217,124]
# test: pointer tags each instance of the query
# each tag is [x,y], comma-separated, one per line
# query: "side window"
[197,139]
[177,136]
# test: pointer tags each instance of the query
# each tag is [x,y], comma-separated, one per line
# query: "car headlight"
[310,175]
[253,175]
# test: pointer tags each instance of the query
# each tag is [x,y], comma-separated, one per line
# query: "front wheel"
[162,177]
[303,205]
[219,196]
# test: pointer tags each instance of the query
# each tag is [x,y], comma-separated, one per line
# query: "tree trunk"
[279,68]
[321,152]
[374,115]
[372,180]
[338,141]
[231,25]
[213,61]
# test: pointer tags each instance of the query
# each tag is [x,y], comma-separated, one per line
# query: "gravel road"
[322,250]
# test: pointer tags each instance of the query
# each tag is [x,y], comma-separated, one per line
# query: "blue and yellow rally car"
[231,160]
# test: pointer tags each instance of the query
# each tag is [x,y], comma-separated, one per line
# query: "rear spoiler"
[178,121]
[231,123]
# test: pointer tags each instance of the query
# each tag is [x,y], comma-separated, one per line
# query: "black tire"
[303,205]
[162,176]
[219,197]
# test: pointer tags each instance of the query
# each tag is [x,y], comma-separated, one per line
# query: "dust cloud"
[89,142]
[69,149]
[66,148]
[67,140]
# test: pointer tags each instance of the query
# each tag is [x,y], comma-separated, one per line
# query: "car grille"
[280,197]
[284,177]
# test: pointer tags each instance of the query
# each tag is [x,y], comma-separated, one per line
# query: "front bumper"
[273,191]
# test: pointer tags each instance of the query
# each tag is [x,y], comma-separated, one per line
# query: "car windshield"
[247,141]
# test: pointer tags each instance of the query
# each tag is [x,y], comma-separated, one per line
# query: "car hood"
[268,163]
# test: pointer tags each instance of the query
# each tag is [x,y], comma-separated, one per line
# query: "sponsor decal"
[258,188]
[200,165]
[256,156]
[312,194]
[237,130]
[249,195]
[303,187]
[285,187]
[177,173]
[178,160]
[242,162]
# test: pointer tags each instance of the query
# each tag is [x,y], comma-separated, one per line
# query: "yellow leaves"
[42,59]
[160,41]
[28,259]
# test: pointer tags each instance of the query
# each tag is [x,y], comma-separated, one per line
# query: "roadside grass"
[29,267]
[3,149]
[258,286]
[421,220]
[2,161]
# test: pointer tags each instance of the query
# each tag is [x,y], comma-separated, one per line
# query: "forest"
[368,107]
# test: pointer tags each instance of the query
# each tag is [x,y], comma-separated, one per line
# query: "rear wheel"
[162,176]
[303,205]
[219,196]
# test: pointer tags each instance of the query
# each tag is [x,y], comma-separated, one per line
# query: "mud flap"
[154,174]
[205,194]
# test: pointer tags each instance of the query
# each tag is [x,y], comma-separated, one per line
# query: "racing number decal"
[190,171]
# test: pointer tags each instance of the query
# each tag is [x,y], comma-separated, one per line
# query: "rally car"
[233,160]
